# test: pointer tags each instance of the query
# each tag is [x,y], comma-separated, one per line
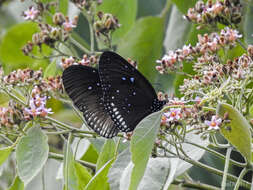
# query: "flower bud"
[58,19]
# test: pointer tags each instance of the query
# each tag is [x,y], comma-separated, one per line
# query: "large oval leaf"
[141,146]
[144,44]
[32,152]
[125,11]
[237,132]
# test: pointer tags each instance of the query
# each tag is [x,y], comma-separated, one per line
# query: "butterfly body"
[114,98]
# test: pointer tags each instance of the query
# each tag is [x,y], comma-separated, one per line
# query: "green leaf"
[247,25]
[69,170]
[176,25]
[63,6]
[4,100]
[144,44]
[52,70]
[83,175]
[125,11]
[251,111]
[17,184]
[4,154]
[56,106]
[156,174]
[183,5]
[90,155]
[117,169]
[237,132]
[31,154]
[150,7]
[13,41]
[141,146]
[98,143]
[99,181]
[106,154]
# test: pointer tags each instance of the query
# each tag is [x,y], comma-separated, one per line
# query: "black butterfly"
[114,98]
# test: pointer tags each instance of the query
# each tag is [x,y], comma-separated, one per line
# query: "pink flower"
[216,8]
[186,50]
[33,109]
[230,34]
[37,107]
[68,25]
[85,60]
[176,101]
[31,14]
[40,100]
[214,123]
[173,115]
[197,99]
[45,111]
[214,45]
[169,60]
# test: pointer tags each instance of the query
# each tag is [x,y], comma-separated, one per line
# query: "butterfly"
[113,98]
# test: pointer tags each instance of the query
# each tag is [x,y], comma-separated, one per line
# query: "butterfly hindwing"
[128,96]
[83,86]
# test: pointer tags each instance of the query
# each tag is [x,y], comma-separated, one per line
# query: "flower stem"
[224,178]
[239,180]
[210,169]
[60,157]
[184,183]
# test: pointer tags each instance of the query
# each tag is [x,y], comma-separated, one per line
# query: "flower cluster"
[213,74]
[226,12]
[23,77]
[16,113]
[50,34]
[192,117]
[54,84]
[205,48]
[6,116]
[86,61]
[29,77]
[37,107]
[105,24]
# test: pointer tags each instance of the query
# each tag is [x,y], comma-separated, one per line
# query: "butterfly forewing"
[128,96]
[83,86]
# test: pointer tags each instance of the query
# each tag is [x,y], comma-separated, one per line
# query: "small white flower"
[214,124]
[173,115]
[31,14]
